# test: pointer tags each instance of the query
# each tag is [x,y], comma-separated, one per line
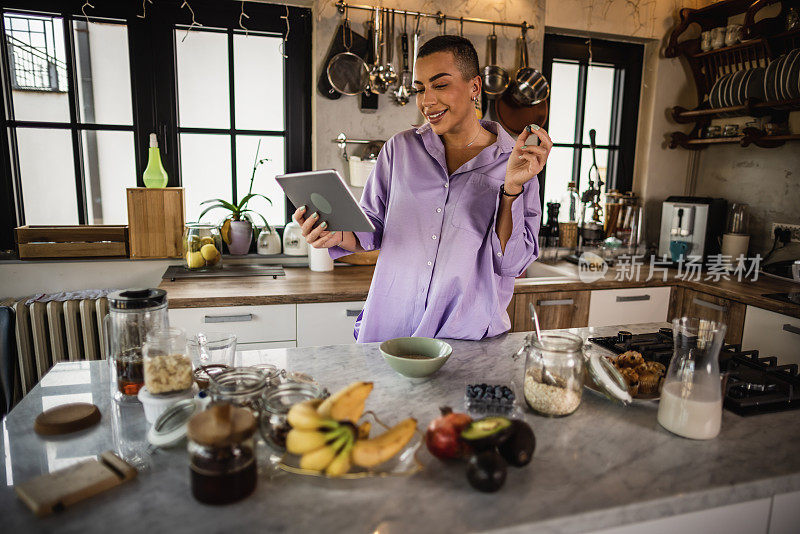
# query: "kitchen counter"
[604,466]
[351,283]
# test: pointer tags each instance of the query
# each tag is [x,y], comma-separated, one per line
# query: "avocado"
[518,449]
[487,433]
[486,471]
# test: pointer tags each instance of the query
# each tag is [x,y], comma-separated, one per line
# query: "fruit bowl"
[405,463]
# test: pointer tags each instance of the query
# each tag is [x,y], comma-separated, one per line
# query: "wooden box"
[79,241]
[156,218]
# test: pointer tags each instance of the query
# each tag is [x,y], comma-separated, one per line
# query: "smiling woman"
[455,204]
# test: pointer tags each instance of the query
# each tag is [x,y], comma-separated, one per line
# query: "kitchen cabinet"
[557,309]
[329,323]
[251,324]
[703,306]
[628,306]
[772,334]
[785,516]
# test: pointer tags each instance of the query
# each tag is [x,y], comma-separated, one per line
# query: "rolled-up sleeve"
[373,201]
[523,245]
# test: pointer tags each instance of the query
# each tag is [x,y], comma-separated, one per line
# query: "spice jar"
[167,366]
[277,402]
[222,454]
[553,373]
[241,387]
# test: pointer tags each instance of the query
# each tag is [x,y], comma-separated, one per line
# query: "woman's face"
[444,97]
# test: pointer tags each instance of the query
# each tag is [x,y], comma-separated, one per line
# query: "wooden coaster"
[66,418]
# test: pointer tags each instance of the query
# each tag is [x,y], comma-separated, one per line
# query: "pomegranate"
[443,436]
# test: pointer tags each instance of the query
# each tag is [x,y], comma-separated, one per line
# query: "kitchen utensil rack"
[765,41]
[440,17]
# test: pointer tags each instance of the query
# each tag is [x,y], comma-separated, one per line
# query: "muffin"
[649,381]
[657,368]
[632,378]
[630,359]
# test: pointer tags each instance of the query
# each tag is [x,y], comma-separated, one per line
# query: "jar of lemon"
[202,247]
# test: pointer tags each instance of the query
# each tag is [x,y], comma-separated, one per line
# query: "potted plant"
[237,227]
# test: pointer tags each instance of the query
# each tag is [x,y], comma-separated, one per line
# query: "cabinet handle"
[352,313]
[243,318]
[562,302]
[632,298]
[711,305]
[791,328]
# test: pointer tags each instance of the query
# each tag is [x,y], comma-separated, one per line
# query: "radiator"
[52,332]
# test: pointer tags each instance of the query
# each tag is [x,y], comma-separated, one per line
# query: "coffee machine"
[691,226]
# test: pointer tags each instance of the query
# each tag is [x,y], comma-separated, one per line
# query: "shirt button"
[438,210]
[433,237]
[430,263]
[500,254]
[447,185]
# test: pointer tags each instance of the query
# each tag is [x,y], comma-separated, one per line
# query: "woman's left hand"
[525,162]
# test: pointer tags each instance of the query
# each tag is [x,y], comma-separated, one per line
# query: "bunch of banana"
[325,436]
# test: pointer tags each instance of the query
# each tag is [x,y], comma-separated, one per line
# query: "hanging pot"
[495,78]
[530,87]
[514,117]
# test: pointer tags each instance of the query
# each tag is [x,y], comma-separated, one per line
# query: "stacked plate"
[780,80]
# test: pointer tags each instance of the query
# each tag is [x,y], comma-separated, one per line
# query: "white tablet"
[326,193]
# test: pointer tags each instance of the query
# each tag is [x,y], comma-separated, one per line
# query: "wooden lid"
[66,418]
[221,425]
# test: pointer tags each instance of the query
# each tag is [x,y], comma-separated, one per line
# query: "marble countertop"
[603,466]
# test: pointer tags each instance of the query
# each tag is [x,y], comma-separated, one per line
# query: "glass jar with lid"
[202,247]
[553,380]
[167,366]
[222,456]
[277,402]
[241,387]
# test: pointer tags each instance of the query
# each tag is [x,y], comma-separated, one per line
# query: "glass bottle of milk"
[691,399]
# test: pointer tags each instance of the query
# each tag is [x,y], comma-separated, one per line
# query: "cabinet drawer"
[327,323]
[559,309]
[628,306]
[251,324]
[772,334]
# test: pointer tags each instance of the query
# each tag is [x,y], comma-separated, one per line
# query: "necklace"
[474,138]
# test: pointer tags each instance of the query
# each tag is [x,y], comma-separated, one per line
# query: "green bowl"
[434,352]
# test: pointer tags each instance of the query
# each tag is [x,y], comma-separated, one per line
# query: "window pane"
[599,96]
[104,80]
[258,82]
[563,102]
[264,183]
[206,172]
[558,175]
[586,163]
[203,96]
[110,168]
[48,176]
[38,67]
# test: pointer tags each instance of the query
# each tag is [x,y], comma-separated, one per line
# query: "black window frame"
[153,71]
[628,61]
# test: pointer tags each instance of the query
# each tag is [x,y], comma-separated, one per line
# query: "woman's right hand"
[317,236]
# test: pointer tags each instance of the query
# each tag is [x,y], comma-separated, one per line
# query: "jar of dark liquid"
[222,460]
[132,314]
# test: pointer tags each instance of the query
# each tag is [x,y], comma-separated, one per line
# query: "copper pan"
[515,118]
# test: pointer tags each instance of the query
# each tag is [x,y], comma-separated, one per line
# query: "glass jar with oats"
[553,373]
[167,365]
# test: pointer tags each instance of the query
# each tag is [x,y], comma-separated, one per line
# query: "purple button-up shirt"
[441,271]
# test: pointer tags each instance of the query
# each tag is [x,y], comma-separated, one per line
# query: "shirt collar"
[503,145]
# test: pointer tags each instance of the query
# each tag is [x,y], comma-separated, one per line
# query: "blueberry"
[484,386]
[498,391]
[512,396]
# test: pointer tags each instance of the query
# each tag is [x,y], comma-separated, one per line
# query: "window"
[604,97]
[82,93]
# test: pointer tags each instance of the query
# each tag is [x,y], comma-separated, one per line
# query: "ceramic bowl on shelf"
[415,357]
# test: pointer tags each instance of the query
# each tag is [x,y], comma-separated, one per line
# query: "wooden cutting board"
[55,491]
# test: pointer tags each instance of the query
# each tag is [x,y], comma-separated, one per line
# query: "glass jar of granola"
[167,365]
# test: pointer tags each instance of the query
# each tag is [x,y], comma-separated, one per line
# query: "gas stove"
[753,384]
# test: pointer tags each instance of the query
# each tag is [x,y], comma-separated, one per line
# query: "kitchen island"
[602,467]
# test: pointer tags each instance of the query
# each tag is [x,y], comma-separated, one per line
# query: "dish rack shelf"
[749,136]
[764,41]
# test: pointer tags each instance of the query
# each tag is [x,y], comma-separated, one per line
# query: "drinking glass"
[691,399]
[212,349]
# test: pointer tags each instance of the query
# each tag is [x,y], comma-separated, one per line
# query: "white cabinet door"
[772,334]
[785,518]
[629,306]
[251,324]
[327,323]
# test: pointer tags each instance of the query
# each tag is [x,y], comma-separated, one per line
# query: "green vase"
[154,175]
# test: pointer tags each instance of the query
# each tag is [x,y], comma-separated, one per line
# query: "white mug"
[735,245]
[319,259]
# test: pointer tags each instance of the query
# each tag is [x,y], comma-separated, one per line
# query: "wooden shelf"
[751,108]
[749,136]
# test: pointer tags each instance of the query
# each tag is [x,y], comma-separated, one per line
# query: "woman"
[456,208]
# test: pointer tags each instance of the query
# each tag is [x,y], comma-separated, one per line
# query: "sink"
[543,271]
